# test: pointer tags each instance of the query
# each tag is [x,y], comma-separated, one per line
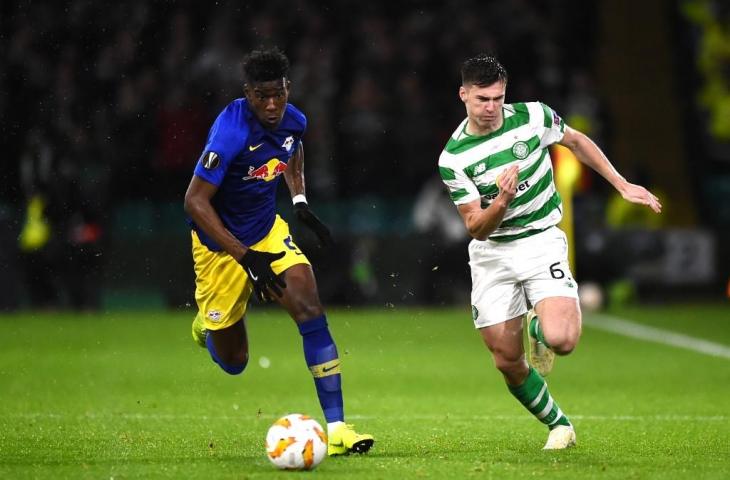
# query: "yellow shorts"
[222,287]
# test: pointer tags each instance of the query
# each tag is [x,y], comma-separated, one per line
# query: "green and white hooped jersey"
[469,166]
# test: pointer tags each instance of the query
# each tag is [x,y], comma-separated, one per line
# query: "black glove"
[306,216]
[258,267]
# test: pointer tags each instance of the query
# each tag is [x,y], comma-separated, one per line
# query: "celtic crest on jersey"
[520,150]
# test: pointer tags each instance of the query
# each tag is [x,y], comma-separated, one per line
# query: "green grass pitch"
[127,395]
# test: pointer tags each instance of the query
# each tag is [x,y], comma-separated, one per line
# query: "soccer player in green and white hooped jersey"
[498,171]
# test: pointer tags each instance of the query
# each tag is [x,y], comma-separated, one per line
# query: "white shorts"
[507,277]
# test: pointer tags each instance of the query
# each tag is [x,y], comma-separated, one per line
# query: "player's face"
[268,100]
[484,106]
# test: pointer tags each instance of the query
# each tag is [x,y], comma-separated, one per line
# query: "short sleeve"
[226,139]
[553,127]
[461,189]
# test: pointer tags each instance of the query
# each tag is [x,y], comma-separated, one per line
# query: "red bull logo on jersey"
[266,172]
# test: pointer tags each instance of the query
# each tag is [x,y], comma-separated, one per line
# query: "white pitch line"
[425,417]
[657,335]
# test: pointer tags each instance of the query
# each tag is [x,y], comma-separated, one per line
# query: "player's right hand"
[258,267]
[507,183]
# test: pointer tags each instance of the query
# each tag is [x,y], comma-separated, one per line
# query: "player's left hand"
[307,217]
[638,194]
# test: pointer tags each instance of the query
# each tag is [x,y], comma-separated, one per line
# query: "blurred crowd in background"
[123,95]
[104,105]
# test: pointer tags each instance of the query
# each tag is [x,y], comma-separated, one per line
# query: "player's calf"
[232,363]
[513,368]
[323,361]
[534,395]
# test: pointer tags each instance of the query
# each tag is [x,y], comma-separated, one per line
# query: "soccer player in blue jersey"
[241,246]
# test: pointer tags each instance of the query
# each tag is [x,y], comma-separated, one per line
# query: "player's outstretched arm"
[589,154]
[294,176]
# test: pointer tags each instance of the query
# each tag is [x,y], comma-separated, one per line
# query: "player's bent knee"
[563,339]
[231,360]
[235,367]
[565,345]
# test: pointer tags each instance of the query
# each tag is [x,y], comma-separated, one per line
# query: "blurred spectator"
[444,274]
[368,162]
[181,126]
[61,234]
[39,248]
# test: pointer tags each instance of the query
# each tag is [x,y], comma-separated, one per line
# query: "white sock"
[332,426]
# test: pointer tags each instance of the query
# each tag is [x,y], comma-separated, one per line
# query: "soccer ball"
[296,442]
[591,296]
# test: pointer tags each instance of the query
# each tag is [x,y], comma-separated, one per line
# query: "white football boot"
[560,437]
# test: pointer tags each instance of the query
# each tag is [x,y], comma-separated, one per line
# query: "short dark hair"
[264,65]
[482,70]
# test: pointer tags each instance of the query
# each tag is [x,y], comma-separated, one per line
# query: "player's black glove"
[307,216]
[258,267]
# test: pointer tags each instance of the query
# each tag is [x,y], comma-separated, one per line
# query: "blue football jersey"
[245,161]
